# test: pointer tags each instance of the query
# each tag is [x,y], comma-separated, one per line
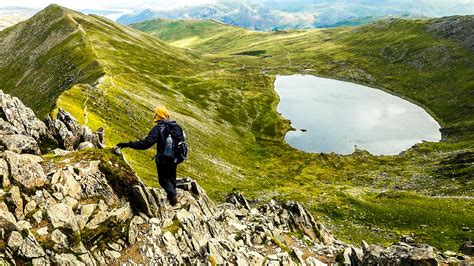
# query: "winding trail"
[288,53]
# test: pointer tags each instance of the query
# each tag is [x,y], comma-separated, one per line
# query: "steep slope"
[88,207]
[406,57]
[43,56]
[116,76]
[401,56]
[226,103]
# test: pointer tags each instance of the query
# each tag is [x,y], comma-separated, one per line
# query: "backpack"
[175,142]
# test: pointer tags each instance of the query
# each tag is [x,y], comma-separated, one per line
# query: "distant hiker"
[171,149]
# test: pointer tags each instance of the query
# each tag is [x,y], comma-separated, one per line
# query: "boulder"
[22,117]
[30,248]
[142,199]
[15,240]
[4,174]
[467,248]
[85,145]
[61,215]
[303,221]
[85,212]
[6,128]
[67,259]
[25,170]
[65,182]
[238,199]
[7,219]
[17,202]
[93,182]
[19,144]
[60,239]
[65,137]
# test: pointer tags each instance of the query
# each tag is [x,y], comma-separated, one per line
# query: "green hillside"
[221,91]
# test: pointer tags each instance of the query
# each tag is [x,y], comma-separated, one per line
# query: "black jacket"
[156,135]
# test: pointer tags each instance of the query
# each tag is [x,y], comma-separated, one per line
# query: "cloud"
[105,4]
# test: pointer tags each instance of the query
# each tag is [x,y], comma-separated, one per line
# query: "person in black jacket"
[166,167]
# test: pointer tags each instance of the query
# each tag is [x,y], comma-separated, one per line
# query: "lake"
[336,116]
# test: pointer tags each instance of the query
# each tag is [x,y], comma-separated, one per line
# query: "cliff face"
[80,204]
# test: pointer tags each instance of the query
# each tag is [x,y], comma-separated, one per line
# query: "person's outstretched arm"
[143,144]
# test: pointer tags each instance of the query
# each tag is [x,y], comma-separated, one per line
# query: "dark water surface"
[339,115]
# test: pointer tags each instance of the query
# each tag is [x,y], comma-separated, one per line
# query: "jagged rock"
[65,137]
[467,248]
[401,253]
[42,231]
[25,170]
[72,135]
[87,259]
[17,202]
[299,255]
[422,256]
[15,240]
[70,122]
[142,199]
[123,213]
[19,144]
[64,181]
[85,212]
[7,128]
[356,256]
[101,215]
[30,206]
[311,261]
[111,255]
[4,173]
[304,221]
[30,248]
[67,259]
[60,239]
[38,216]
[40,262]
[22,117]
[133,230]
[7,219]
[23,225]
[170,243]
[238,200]
[61,215]
[85,145]
[95,138]
[94,183]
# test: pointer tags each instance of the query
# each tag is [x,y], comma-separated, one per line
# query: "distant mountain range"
[278,14]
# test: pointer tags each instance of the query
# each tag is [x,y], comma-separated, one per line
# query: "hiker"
[171,150]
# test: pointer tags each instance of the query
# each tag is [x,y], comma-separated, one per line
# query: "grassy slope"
[227,104]
[396,55]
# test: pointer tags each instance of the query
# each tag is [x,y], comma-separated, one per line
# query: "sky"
[104,4]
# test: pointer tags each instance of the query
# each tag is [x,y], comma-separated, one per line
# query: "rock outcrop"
[22,132]
[68,209]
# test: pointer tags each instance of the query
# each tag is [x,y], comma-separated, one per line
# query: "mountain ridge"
[82,204]
[226,102]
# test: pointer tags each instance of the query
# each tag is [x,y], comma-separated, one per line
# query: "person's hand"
[122,145]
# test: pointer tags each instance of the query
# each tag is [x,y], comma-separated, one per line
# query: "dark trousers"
[167,177]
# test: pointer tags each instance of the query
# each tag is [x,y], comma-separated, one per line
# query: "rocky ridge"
[80,204]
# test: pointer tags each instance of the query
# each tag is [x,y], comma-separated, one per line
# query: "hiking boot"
[173,201]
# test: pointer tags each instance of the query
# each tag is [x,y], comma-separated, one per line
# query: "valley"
[218,82]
